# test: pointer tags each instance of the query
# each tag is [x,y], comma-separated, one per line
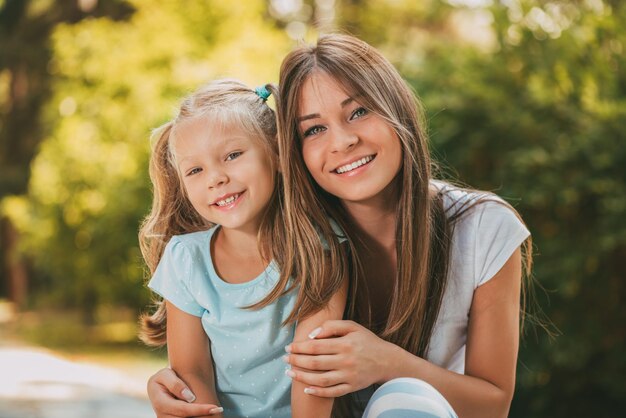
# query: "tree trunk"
[13,265]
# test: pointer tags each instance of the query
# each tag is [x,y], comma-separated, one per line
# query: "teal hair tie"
[262,92]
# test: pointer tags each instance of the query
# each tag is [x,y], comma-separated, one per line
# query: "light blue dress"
[246,345]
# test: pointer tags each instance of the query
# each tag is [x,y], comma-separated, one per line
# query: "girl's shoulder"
[194,239]
[194,246]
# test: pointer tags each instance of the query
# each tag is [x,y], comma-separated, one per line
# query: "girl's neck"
[236,255]
[244,243]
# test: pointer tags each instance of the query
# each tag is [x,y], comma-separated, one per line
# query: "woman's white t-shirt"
[483,239]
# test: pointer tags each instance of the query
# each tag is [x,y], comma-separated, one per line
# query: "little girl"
[219,256]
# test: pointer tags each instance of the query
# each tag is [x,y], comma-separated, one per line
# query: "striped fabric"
[408,398]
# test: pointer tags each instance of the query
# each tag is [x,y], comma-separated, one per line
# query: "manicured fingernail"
[216,410]
[188,396]
[288,348]
[315,332]
[309,391]
[285,359]
[290,373]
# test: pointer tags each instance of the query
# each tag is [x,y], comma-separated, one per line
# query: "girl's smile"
[227,174]
[228,201]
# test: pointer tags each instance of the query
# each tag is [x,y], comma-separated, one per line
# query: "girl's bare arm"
[189,352]
[304,405]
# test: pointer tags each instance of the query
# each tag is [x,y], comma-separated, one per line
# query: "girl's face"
[227,174]
[351,152]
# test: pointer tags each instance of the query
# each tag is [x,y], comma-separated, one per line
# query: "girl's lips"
[229,201]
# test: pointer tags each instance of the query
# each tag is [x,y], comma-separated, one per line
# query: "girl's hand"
[170,397]
[342,358]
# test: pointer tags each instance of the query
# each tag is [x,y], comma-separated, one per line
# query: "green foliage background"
[523,97]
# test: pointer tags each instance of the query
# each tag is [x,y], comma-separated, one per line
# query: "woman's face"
[350,151]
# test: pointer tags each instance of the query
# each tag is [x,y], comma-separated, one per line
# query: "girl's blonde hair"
[423,229]
[227,103]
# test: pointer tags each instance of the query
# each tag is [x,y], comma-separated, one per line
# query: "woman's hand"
[171,398]
[341,357]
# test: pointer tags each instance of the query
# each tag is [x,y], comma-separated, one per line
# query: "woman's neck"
[376,218]
[375,222]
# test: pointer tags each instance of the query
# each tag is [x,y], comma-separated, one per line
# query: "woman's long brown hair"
[424,229]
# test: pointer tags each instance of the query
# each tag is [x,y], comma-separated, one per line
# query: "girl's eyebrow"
[185,158]
[317,115]
[227,141]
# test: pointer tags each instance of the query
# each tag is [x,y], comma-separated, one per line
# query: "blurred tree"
[524,97]
[541,118]
[111,83]
[25,53]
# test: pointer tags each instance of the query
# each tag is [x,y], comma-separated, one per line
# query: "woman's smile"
[350,167]
[351,152]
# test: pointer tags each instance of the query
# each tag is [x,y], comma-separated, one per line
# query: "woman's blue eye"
[314,130]
[359,112]
[231,156]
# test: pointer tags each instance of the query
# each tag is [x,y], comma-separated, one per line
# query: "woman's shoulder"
[479,214]
[486,229]
[462,203]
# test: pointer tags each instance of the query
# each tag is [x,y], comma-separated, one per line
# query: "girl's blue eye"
[194,171]
[314,130]
[359,112]
[233,155]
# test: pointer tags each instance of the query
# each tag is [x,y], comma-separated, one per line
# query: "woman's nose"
[343,140]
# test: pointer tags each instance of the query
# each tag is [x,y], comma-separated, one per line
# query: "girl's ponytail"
[171,214]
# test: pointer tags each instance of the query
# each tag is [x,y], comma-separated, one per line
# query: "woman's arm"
[356,358]
[304,405]
[170,397]
[189,353]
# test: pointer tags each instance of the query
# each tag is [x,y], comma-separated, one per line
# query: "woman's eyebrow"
[347,102]
[307,117]
[317,115]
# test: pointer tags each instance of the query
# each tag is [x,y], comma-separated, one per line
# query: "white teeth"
[356,164]
[227,201]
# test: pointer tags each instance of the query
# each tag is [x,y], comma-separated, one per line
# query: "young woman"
[436,306]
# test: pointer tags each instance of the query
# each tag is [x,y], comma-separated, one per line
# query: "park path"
[35,383]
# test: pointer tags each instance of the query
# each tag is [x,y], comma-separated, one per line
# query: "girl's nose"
[217,179]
